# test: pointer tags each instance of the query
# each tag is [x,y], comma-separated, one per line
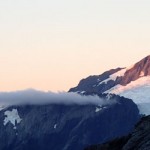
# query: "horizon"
[52,45]
[58,91]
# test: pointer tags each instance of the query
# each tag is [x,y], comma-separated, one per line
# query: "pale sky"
[52,44]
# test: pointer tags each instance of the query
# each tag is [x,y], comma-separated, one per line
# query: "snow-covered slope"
[114,76]
[138,91]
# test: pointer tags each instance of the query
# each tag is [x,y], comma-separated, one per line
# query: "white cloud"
[40,98]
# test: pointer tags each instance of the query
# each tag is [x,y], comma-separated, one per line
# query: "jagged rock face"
[139,139]
[142,68]
[65,127]
[90,83]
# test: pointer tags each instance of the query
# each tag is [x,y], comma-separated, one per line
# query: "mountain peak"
[146,61]
[147,57]
[141,68]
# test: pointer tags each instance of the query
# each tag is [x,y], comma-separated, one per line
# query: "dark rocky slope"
[139,139]
[65,127]
[89,84]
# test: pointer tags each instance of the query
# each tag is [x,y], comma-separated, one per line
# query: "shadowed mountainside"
[65,127]
[139,139]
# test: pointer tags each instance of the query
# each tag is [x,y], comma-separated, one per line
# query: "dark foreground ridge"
[139,139]
[65,127]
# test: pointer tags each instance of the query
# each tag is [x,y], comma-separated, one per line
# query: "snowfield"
[12,117]
[138,91]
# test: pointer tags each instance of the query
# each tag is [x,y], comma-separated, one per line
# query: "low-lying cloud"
[40,98]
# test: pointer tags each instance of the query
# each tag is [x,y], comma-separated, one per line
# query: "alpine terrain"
[74,126]
[139,139]
[59,126]
[132,82]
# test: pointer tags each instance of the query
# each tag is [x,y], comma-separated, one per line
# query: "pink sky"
[51,45]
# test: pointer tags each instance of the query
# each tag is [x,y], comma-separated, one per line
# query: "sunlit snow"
[114,76]
[142,74]
[138,91]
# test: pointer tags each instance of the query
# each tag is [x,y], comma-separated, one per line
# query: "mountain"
[65,127]
[91,83]
[139,139]
[132,82]
[74,125]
